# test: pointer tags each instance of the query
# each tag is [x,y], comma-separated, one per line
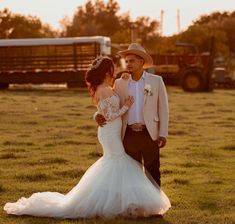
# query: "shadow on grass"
[181,181]
[209,104]
[177,132]
[208,205]
[23,136]
[2,189]
[172,171]
[74,114]
[94,155]
[39,220]
[192,164]
[87,127]
[8,156]
[8,143]
[29,122]
[50,145]
[229,147]
[72,173]
[46,161]
[34,177]
[48,92]
[71,142]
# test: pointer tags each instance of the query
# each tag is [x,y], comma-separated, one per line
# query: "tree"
[19,26]
[147,31]
[220,25]
[98,18]
[95,18]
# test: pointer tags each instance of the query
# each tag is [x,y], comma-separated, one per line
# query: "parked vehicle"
[191,70]
[49,60]
[222,78]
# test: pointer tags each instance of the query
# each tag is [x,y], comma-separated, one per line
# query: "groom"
[145,126]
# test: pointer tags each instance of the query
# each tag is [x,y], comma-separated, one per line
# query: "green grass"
[48,140]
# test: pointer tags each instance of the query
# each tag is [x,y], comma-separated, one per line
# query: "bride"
[115,185]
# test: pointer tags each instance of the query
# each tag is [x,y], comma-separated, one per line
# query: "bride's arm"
[97,116]
[109,110]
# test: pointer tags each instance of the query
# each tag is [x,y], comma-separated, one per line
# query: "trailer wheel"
[193,81]
[4,85]
[71,85]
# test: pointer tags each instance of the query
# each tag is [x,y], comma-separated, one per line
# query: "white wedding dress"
[114,186]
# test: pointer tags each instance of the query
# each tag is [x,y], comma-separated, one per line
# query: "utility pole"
[161,22]
[134,33]
[178,21]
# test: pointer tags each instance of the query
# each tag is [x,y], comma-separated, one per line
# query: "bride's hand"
[129,101]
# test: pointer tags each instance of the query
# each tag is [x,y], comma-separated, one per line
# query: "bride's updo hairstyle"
[97,71]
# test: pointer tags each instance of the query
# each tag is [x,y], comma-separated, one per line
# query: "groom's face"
[133,63]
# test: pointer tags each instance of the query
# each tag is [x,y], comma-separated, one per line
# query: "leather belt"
[137,127]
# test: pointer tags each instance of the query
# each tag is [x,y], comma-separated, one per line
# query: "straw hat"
[136,49]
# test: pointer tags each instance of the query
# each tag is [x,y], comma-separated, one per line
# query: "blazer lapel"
[145,97]
[146,82]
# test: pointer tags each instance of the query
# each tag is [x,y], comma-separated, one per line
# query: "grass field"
[48,140]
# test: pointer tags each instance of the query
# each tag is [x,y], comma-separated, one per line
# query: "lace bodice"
[110,108]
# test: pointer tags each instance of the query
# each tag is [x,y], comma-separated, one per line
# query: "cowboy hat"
[136,49]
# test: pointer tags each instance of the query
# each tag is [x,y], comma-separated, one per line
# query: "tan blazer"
[155,111]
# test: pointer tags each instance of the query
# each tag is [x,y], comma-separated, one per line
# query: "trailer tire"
[4,85]
[193,81]
[72,85]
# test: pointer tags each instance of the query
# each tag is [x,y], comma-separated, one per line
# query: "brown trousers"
[141,147]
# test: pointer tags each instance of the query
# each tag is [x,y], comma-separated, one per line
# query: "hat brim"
[148,61]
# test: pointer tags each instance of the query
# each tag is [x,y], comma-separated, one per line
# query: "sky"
[52,11]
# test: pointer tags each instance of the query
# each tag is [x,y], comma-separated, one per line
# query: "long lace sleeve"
[110,108]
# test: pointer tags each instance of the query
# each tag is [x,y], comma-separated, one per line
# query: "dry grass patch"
[72,173]
[32,177]
[49,139]
[229,147]
[181,181]
[16,143]
[48,161]
[2,189]
[9,155]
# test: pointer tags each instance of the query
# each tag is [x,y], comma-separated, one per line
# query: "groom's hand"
[99,118]
[161,142]
[125,75]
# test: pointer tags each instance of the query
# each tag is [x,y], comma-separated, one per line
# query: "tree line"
[100,18]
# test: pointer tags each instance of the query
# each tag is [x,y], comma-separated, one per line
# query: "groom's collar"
[144,75]
[141,78]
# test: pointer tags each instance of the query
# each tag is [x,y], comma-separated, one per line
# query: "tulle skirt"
[114,186]
[110,188]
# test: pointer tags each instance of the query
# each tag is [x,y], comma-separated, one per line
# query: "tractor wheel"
[193,81]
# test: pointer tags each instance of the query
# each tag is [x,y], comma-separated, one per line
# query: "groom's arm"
[163,110]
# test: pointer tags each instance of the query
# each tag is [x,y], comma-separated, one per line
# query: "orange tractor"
[192,70]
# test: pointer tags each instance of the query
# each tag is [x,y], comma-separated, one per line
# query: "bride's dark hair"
[96,74]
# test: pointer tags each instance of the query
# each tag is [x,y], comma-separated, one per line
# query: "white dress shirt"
[136,89]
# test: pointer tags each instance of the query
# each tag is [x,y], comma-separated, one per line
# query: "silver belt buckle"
[137,127]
